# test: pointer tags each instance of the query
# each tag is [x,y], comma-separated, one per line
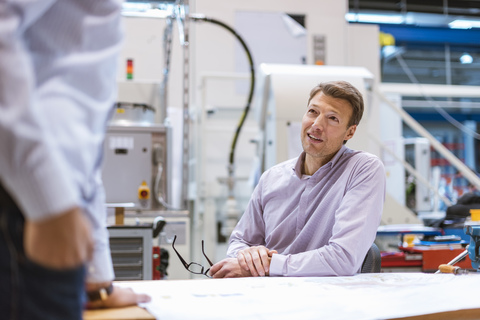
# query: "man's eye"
[334,118]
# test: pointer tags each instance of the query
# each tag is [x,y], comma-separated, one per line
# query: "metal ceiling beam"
[457,7]
[412,34]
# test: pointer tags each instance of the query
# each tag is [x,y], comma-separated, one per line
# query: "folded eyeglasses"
[194,267]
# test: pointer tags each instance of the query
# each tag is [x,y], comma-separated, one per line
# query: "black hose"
[252,79]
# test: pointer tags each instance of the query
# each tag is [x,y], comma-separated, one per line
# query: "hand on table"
[256,260]
[120,297]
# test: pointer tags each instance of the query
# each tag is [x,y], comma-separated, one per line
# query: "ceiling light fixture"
[152,9]
[466,58]
[464,24]
[374,18]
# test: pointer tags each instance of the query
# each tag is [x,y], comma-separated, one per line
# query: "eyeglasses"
[193,267]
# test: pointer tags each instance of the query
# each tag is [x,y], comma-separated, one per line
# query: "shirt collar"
[301,160]
[338,155]
[297,169]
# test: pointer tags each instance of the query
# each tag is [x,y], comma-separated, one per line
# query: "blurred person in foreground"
[57,90]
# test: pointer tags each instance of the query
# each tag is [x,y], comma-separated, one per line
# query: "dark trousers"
[27,290]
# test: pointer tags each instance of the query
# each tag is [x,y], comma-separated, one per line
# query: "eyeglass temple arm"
[203,251]
[185,264]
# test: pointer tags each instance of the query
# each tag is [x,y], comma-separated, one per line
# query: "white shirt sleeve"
[57,89]
[29,157]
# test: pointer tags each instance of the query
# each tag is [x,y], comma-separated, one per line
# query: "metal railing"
[437,91]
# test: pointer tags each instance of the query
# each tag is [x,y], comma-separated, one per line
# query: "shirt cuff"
[100,268]
[277,265]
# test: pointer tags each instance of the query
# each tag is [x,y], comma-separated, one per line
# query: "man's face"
[325,127]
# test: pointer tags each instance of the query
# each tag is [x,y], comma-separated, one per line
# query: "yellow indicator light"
[143,191]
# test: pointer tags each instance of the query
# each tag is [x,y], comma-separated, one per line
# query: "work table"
[409,296]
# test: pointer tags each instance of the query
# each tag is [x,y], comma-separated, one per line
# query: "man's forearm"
[61,242]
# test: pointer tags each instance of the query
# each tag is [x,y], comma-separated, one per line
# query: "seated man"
[315,215]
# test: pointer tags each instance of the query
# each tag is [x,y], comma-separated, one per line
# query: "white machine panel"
[417,154]
[133,155]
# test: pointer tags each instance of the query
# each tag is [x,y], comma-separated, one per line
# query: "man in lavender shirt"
[315,215]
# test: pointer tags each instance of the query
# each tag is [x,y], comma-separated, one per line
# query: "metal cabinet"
[131,249]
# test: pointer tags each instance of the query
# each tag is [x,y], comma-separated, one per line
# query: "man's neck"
[312,164]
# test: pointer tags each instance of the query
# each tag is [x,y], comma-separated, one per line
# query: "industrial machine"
[473,230]
[135,170]
[137,167]
[137,176]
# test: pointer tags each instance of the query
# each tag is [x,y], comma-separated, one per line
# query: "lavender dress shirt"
[321,225]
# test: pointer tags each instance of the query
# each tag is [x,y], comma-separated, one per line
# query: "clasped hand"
[250,262]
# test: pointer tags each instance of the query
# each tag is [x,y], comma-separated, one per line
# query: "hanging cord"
[167,41]
[167,50]
[198,17]
[158,194]
[434,104]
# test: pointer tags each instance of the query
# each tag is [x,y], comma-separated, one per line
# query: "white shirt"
[321,225]
[57,88]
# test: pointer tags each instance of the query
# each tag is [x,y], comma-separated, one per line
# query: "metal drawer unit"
[131,250]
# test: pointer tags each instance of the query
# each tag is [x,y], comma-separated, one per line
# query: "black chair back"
[372,262]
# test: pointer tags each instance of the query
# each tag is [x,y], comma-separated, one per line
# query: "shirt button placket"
[302,207]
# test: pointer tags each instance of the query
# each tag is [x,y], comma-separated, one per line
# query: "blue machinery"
[474,247]
[473,251]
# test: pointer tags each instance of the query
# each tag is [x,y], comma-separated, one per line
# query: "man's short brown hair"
[342,90]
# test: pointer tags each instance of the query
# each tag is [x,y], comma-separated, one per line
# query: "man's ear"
[350,132]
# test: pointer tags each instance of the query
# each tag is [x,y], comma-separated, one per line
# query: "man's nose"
[319,122]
